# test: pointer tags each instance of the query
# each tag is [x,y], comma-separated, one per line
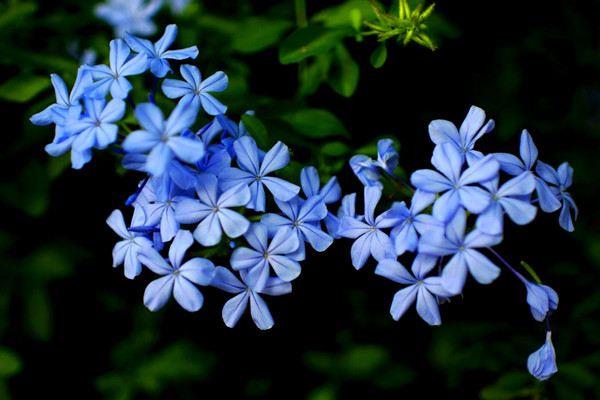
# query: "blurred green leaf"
[344,72]
[513,385]
[256,129]
[314,73]
[379,56]
[327,392]
[342,15]
[315,123]
[15,12]
[28,191]
[255,34]
[38,313]
[363,361]
[10,363]
[309,41]
[321,362]
[23,88]
[335,149]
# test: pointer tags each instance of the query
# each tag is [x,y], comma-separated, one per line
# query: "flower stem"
[507,265]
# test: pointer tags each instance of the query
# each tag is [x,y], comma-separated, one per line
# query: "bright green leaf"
[379,56]
[23,88]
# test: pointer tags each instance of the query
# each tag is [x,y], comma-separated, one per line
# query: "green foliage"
[23,88]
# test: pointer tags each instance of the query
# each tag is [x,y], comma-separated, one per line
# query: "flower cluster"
[454,218]
[208,188]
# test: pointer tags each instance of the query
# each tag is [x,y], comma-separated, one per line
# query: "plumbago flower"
[129,16]
[455,219]
[209,179]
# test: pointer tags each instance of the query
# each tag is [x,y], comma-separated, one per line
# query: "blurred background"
[71,324]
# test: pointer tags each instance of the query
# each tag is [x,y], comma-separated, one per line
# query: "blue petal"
[519,211]
[309,180]
[198,270]
[542,363]
[275,159]
[225,280]
[260,312]
[454,274]
[182,242]
[319,240]
[481,268]
[187,295]
[394,271]
[483,170]
[234,308]
[447,159]
[427,307]
[211,105]
[528,150]
[158,292]
[280,189]
[548,200]
[217,82]
[247,154]
[430,181]
[403,299]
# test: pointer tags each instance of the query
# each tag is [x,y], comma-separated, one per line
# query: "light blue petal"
[211,105]
[481,268]
[442,131]
[150,118]
[181,54]
[234,308]
[247,154]
[542,363]
[234,224]
[528,150]
[491,221]
[319,240]
[225,280]
[313,210]
[547,173]
[352,228]
[394,271]
[430,181]
[280,189]
[309,180]
[209,233]
[422,265]
[188,150]
[284,242]
[548,200]
[260,312]
[198,270]
[166,39]
[217,82]
[483,170]
[520,185]
[447,159]
[275,159]
[154,261]
[237,196]
[454,274]
[173,88]
[159,67]
[474,198]
[519,211]
[360,251]
[446,205]
[158,292]
[427,307]
[276,287]
[182,242]
[285,268]
[187,295]
[403,299]
[371,196]
[135,66]
[158,159]
[510,163]
[257,237]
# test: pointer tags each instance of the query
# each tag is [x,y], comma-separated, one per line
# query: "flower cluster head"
[455,216]
[205,185]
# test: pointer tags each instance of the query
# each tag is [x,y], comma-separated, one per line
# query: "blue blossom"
[161,139]
[177,6]
[311,186]
[457,187]
[181,174]
[541,299]
[158,53]
[387,156]
[133,16]
[462,248]
[365,170]
[303,219]
[254,171]
[411,222]
[196,90]
[559,181]
[512,165]
[542,363]
[265,255]
[511,198]
[126,251]
[370,239]
[246,291]
[422,288]
[473,127]
[177,279]
[113,78]
[215,160]
[212,210]
[57,112]
[347,209]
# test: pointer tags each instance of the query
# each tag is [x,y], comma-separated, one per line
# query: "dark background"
[76,326]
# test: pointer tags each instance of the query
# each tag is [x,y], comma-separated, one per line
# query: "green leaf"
[28,191]
[513,385]
[38,313]
[255,34]
[23,88]
[379,56]
[315,123]
[314,74]
[309,41]
[16,13]
[335,149]
[256,129]
[344,72]
[363,361]
[10,364]
[344,14]
[326,392]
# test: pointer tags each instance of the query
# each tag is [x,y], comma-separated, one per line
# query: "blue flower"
[457,187]
[177,6]
[213,212]
[113,78]
[162,139]
[126,251]
[462,248]
[423,289]
[542,363]
[158,200]
[511,198]
[254,172]
[215,160]
[158,53]
[247,291]
[263,255]
[347,209]
[303,219]
[57,113]
[133,16]
[177,279]
[370,239]
[541,299]
[365,170]
[559,181]
[387,156]
[512,165]
[196,90]
[411,222]
[463,140]
[311,186]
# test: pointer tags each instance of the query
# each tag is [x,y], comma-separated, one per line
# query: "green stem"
[300,9]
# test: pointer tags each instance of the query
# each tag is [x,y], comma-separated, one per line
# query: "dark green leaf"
[256,129]
[10,364]
[335,149]
[23,88]
[315,123]
[342,15]
[344,73]
[258,33]
[309,41]
[379,56]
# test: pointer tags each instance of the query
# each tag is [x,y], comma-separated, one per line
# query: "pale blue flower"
[463,140]
[126,251]
[303,219]
[246,292]
[559,181]
[456,186]
[425,290]
[387,156]
[542,363]
[254,171]
[347,209]
[178,279]
[264,255]
[311,186]
[370,239]
[511,198]
[161,139]
[196,90]
[133,16]
[541,299]
[462,248]
[212,210]
[158,53]
[113,78]
[366,170]
[182,175]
